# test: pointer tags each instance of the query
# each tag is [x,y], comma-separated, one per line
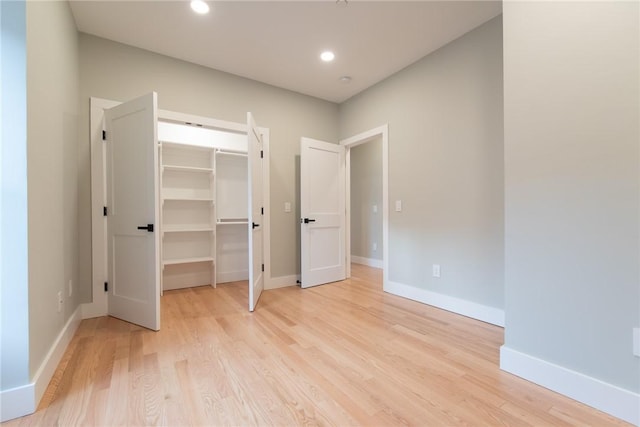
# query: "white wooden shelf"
[187,260]
[186,146]
[233,221]
[188,199]
[177,168]
[187,228]
[232,153]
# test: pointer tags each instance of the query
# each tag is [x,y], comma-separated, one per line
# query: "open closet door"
[254,168]
[322,209]
[132,208]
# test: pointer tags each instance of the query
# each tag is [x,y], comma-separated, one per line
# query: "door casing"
[351,142]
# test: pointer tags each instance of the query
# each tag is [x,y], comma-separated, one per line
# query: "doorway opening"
[362,160]
[365,207]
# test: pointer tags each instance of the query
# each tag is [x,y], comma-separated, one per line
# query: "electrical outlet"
[59,301]
[70,287]
[435,270]
[374,246]
[636,342]
[287,207]
[398,205]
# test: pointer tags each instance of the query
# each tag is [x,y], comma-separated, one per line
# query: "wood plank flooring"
[339,354]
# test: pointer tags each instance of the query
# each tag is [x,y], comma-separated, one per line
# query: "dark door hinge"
[104,211]
[261,154]
[106,286]
[261,211]
[262,267]
[104,135]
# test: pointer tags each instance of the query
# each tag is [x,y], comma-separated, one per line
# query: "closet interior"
[203,205]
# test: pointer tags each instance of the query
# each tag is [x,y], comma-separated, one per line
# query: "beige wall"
[445,164]
[52,163]
[366,191]
[572,187]
[119,72]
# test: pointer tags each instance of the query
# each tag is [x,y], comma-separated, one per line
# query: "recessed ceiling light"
[327,56]
[199,6]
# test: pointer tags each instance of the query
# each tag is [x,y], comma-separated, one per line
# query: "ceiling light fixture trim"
[199,7]
[327,56]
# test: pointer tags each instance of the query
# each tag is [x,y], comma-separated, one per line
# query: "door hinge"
[104,135]
[106,286]
[104,211]
[261,154]
[261,211]
[262,267]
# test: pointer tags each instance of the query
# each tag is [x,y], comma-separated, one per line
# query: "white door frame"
[349,143]
[98,306]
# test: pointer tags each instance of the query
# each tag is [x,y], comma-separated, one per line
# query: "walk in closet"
[204,211]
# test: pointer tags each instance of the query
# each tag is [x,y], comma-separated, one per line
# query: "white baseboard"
[46,370]
[376,263]
[492,315]
[17,402]
[282,282]
[603,396]
[92,309]
[23,400]
[232,276]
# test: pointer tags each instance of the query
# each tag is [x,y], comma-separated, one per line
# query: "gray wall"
[119,72]
[571,73]
[366,191]
[14,286]
[445,164]
[52,153]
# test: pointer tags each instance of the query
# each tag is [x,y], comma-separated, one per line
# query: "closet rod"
[231,153]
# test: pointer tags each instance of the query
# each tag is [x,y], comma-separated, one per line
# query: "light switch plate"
[375,208]
[287,207]
[435,269]
[398,205]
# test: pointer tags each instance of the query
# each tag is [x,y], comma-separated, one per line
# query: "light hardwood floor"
[340,354]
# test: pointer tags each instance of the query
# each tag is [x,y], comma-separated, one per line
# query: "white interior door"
[254,168]
[322,209]
[132,189]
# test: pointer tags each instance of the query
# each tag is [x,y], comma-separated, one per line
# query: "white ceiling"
[279,42]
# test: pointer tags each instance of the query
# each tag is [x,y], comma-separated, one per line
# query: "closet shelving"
[233,187]
[187,185]
[204,206]
[232,215]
